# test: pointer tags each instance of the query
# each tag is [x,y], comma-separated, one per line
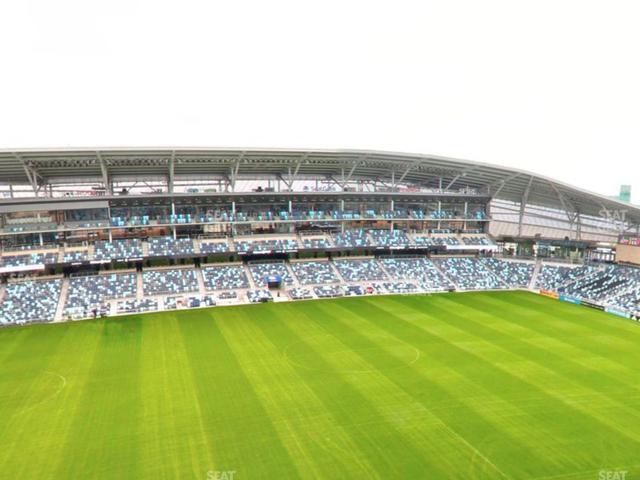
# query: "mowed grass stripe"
[45,386]
[565,423]
[108,412]
[241,434]
[418,382]
[313,437]
[575,366]
[603,343]
[394,446]
[179,445]
[326,389]
[582,387]
[591,432]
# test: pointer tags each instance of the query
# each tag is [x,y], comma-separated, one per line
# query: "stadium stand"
[320,243]
[328,291]
[266,245]
[389,238]
[400,287]
[300,293]
[172,303]
[599,284]
[257,296]
[514,274]
[118,249]
[29,259]
[352,239]
[476,240]
[469,273]
[260,271]
[30,301]
[419,269]
[552,277]
[626,297]
[170,247]
[169,281]
[360,270]
[211,246]
[352,290]
[228,295]
[225,277]
[137,306]
[314,272]
[90,292]
[76,256]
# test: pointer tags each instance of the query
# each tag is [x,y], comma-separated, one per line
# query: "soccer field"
[476,385]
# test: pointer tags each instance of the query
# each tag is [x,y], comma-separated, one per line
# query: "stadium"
[246,313]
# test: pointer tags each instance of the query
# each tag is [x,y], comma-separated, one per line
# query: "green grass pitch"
[475,385]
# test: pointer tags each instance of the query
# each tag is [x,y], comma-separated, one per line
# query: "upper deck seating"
[118,249]
[44,258]
[266,245]
[75,256]
[352,239]
[320,243]
[170,247]
[390,238]
[209,247]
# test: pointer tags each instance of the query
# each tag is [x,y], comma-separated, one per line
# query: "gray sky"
[548,86]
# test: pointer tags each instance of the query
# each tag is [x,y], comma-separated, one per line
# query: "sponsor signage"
[573,300]
[549,293]
[617,312]
[591,304]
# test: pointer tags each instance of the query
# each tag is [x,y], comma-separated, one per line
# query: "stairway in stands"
[201,288]
[139,286]
[247,271]
[444,274]
[64,290]
[534,276]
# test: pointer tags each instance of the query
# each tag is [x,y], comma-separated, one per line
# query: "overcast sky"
[548,86]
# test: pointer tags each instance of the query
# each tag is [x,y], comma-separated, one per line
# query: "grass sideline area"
[475,385]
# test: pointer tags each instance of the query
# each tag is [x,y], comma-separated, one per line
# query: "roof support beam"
[234,171]
[523,205]
[502,183]
[450,184]
[405,173]
[292,176]
[172,171]
[105,174]
[569,208]
[30,172]
[463,173]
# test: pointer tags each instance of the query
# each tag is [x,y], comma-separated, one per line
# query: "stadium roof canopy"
[38,167]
